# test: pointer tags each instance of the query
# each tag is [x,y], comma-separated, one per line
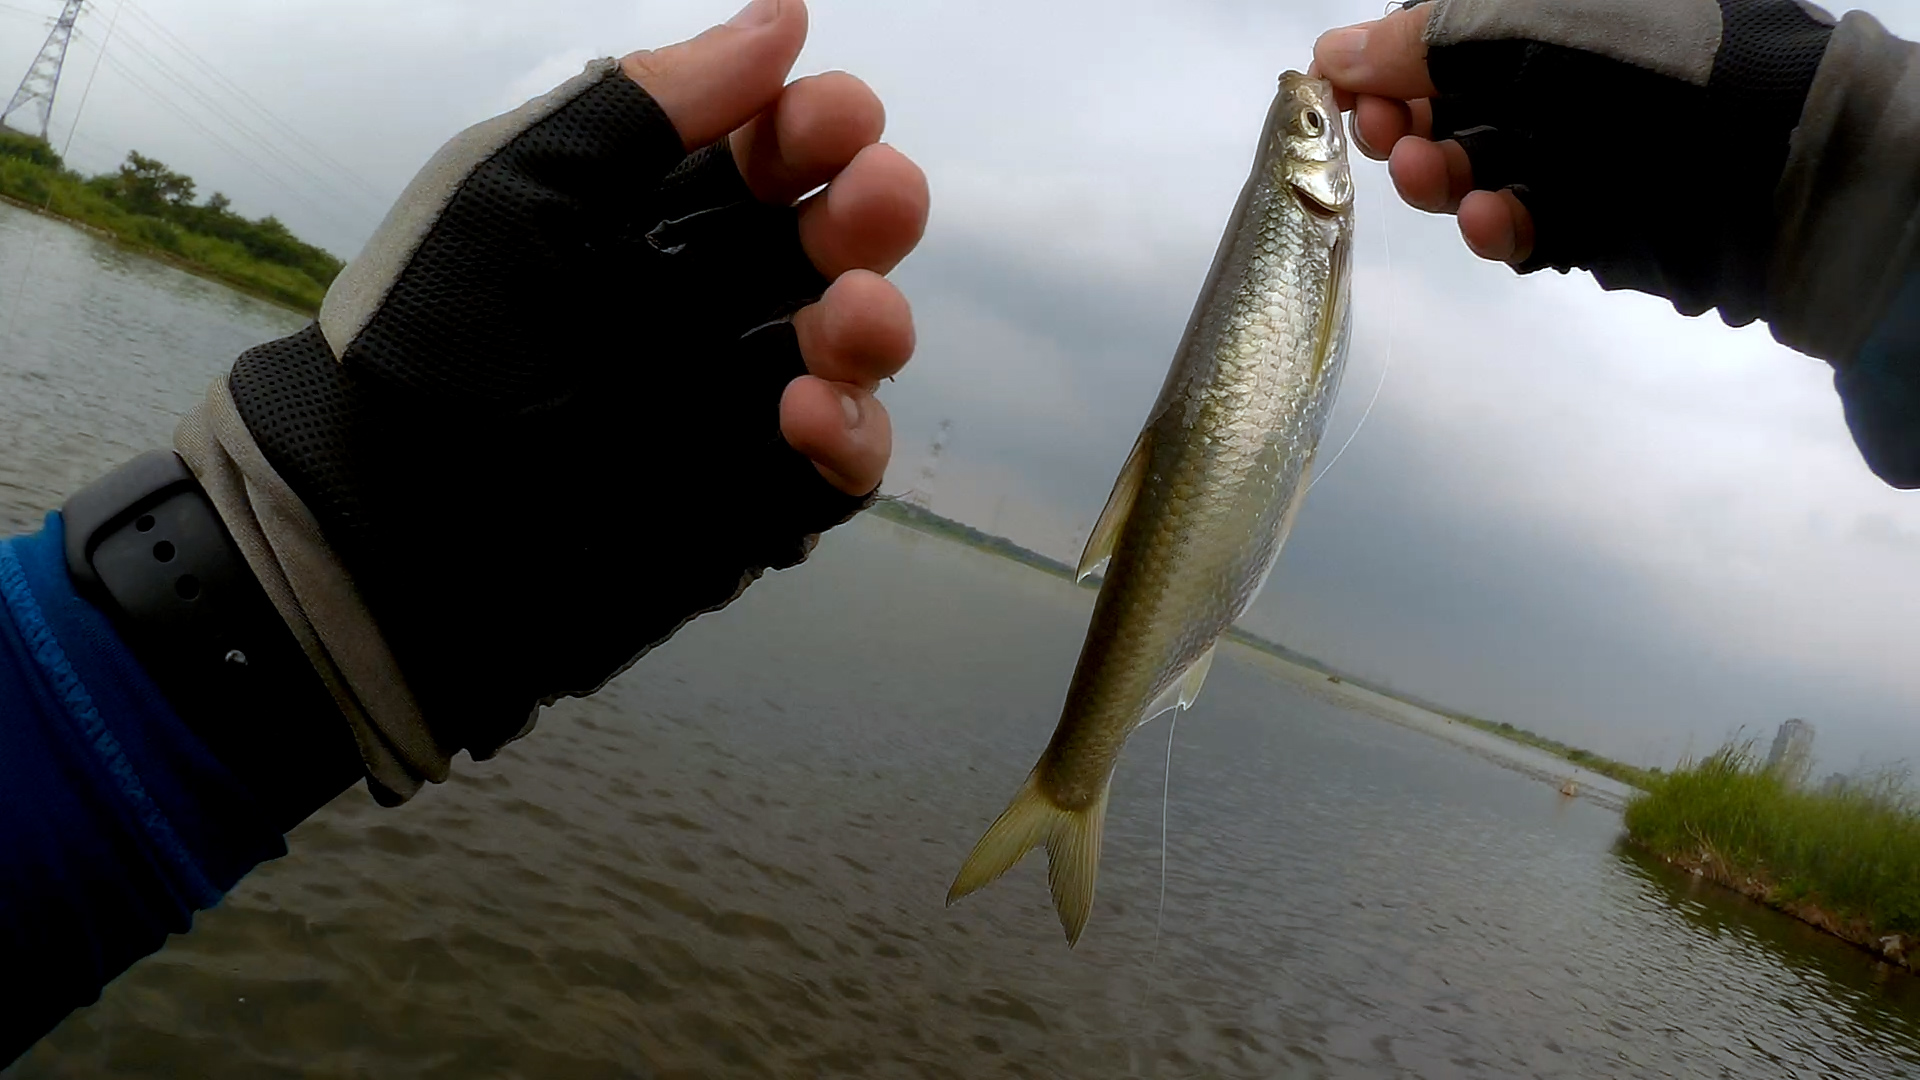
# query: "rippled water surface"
[732,862]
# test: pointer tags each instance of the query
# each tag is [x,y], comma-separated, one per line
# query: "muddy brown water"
[732,862]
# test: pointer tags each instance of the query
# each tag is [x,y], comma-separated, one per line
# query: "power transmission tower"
[922,495]
[35,95]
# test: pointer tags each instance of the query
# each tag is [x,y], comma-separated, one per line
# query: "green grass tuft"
[1852,851]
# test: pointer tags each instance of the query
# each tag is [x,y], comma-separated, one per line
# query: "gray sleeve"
[1675,38]
[1849,200]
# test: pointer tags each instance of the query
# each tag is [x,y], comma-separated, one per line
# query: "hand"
[786,141]
[593,376]
[1639,139]
[1379,72]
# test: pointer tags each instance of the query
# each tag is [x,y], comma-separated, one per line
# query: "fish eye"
[1313,122]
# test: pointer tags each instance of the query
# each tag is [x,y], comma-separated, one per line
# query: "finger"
[1421,112]
[718,81]
[1496,225]
[1430,176]
[1380,122]
[1387,58]
[843,430]
[1342,99]
[869,217]
[859,332]
[809,134]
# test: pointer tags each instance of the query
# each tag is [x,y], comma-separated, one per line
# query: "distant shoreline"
[152,210]
[1576,771]
[204,273]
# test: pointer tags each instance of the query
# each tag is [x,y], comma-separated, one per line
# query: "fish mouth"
[1325,190]
[1312,204]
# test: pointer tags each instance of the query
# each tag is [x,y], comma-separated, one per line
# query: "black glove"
[538,420]
[1646,140]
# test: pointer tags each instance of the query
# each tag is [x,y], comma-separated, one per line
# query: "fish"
[1212,486]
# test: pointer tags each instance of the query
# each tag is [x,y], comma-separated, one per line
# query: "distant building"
[1792,755]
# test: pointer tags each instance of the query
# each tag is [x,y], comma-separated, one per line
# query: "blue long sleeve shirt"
[116,822]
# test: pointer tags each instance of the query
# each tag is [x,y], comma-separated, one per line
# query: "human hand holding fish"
[1754,156]
[1204,503]
[1509,115]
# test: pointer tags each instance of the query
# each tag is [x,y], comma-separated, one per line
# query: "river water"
[732,862]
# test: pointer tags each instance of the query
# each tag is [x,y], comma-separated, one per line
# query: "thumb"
[1384,58]
[718,81]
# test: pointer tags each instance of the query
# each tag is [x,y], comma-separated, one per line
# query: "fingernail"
[1341,53]
[758,13]
[851,407]
[1359,141]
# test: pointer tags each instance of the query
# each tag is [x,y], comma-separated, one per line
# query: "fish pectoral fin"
[1113,519]
[1195,678]
[1185,689]
[1072,840]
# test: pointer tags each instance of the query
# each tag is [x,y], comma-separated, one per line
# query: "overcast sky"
[1573,510]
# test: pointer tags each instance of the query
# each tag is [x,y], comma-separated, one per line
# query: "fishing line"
[1386,365]
[1159,916]
[1166,792]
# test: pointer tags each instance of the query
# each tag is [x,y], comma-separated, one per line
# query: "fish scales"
[1203,506]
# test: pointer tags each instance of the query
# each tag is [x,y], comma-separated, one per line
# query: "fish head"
[1311,149]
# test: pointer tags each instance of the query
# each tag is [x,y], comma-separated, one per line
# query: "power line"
[187,118]
[239,127]
[87,90]
[287,130]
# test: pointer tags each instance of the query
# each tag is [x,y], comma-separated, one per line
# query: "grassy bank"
[926,521]
[151,208]
[1846,859]
[1631,775]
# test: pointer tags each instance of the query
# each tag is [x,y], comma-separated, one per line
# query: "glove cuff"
[315,595]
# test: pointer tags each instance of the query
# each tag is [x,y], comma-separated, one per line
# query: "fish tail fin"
[1072,840]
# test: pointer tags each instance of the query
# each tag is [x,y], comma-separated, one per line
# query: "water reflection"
[1882,1001]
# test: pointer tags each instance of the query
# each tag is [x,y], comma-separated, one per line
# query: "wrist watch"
[145,546]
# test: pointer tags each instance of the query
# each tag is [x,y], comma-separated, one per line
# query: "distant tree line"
[148,204]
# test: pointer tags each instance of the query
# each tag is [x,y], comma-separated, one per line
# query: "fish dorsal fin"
[1113,519]
[1185,689]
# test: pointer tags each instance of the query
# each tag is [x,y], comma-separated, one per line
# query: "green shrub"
[1853,850]
[148,206]
[27,148]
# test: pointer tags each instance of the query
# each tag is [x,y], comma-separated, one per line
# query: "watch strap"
[145,545]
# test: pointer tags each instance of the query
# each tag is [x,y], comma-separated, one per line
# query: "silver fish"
[1197,518]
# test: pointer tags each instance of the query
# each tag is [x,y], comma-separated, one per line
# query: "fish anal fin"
[1071,837]
[1184,690]
[1113,519]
